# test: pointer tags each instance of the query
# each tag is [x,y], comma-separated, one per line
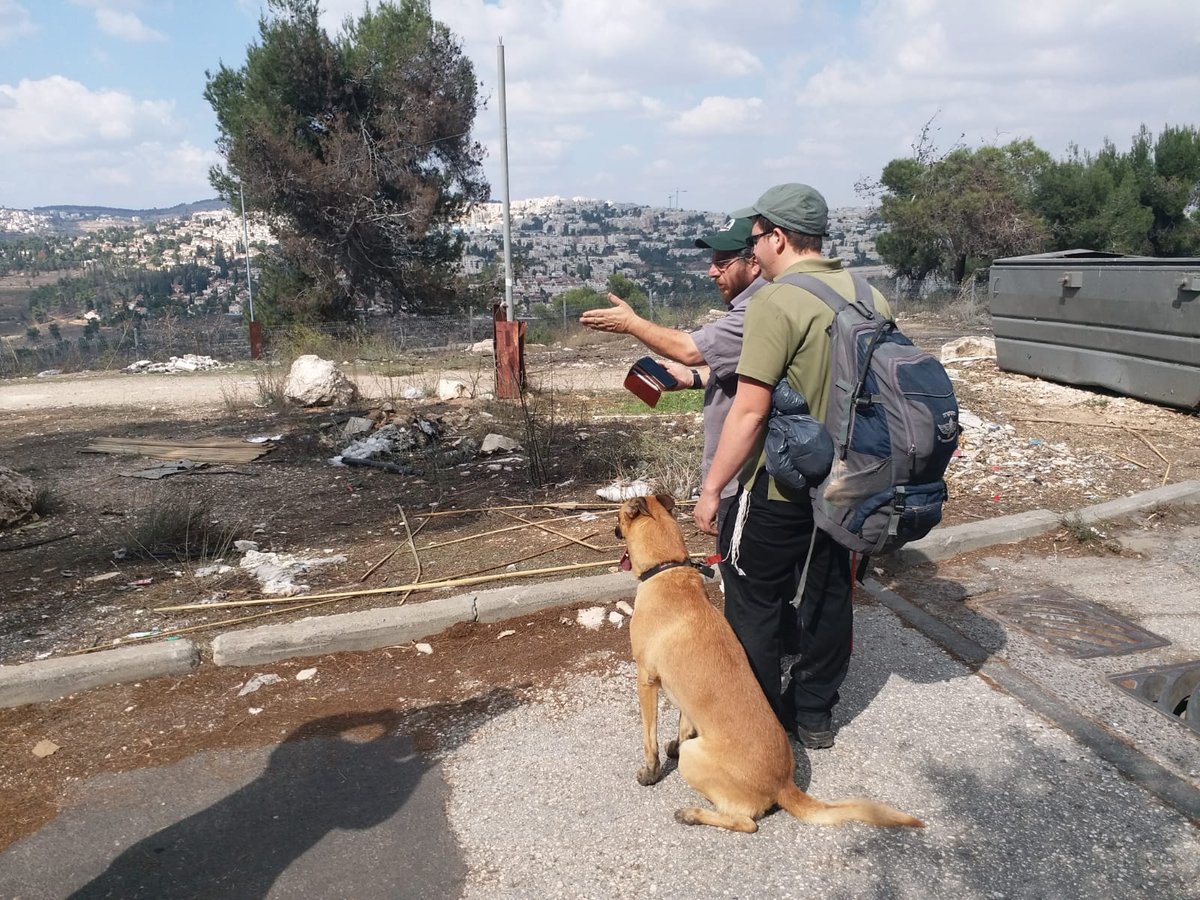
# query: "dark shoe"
[814,740]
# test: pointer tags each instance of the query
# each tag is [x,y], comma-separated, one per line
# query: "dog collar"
[662,567]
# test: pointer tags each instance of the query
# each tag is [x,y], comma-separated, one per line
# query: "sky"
[701,104]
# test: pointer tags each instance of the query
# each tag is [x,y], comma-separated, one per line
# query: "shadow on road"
[353,772]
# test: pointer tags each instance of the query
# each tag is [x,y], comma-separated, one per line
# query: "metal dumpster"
[1130,324]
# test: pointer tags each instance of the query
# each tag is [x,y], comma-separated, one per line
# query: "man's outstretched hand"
[617,318]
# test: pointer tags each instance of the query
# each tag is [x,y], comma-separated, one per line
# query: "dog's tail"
[835,812]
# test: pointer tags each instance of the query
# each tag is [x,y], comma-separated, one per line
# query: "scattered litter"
[46,373]
[104,576]
[588,517]
[305,674]
[625,607]
[189,362]
[254,710]
[412,393]
[258,681]
[616,618]
[423,648]
[498,443]
[120,553]
[141,634]
[208,571]
[505,634]
[623,490]
[264,439]
[275,571]
[44,748]
[141,582]
[591,618]
[44,655]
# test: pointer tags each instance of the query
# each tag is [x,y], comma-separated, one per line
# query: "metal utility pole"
[505,213]
[509,333]
[255,327]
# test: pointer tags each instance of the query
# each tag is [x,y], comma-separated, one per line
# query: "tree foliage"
[949,215]
[358,150]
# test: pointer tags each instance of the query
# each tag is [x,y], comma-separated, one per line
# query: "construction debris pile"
[189,362]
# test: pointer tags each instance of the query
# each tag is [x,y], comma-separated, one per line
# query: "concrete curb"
[946,542]
[376,628]
[50,679]
[373,629]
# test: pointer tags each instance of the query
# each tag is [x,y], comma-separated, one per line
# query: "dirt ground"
[79,579]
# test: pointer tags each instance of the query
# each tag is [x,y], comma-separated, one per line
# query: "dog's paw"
[648,775]
[687,816]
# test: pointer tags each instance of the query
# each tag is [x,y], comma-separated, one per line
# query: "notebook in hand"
[647,380]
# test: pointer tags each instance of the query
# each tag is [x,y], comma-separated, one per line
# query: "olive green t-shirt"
[787,332]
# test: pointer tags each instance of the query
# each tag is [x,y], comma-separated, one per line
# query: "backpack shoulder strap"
[863,302]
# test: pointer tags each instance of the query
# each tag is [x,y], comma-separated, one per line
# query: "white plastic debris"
[305,674]
[254,710]
[623,490]
[276,571]
[616,618]
[625,607]
[258,681]
[505,634]
[423,648]
[591,618]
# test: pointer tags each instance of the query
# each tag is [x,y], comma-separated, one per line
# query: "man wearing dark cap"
[716,345]
[772,535]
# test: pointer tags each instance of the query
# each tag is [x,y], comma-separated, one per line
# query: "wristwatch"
[696,382]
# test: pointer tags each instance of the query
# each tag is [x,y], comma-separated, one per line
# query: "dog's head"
[651,534]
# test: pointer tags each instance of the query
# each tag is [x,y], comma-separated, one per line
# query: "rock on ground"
[313,381]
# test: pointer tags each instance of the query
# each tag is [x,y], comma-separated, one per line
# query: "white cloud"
[719,115]
[126,26]
[15,22]
[98,146]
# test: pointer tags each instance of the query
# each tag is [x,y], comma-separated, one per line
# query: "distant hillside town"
[557,244]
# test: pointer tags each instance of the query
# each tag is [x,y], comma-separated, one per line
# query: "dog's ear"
[667,501]
[637,507]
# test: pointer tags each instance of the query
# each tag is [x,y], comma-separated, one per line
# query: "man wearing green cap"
[716,345]
[773,537]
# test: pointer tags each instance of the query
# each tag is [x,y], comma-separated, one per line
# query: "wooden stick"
[1133,461]
[399,588]
[1146,441]
[521,559]
[201,627]
[1068,422]
[392,552]
[482,534]
[49,540]
[566,504]
[565,537]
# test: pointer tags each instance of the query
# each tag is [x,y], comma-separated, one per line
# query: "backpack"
[893,418]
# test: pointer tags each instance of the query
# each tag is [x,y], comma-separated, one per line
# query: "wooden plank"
[210,450]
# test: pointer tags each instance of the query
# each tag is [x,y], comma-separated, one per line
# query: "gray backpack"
[893,418]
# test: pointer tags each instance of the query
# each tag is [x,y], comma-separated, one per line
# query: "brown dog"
[731,747]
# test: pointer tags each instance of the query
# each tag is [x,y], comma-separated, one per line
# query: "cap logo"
[728,225]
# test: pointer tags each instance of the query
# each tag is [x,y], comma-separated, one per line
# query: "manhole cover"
[1174,690]
[1069,624]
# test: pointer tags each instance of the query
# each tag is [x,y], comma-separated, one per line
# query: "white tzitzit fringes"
[739,526]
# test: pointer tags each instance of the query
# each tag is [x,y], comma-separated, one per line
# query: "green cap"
[733,235]
[795,207]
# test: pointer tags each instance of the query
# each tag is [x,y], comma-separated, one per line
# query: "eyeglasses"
[753,239]
[726,263]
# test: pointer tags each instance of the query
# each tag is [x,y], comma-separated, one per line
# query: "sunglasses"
[753,239]
[726,263]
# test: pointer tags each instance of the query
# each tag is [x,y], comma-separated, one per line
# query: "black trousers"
[759,606]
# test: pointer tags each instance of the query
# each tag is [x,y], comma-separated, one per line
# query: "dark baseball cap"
[795,207]
[731,236]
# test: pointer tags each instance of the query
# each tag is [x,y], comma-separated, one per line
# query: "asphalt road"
[1036,777]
